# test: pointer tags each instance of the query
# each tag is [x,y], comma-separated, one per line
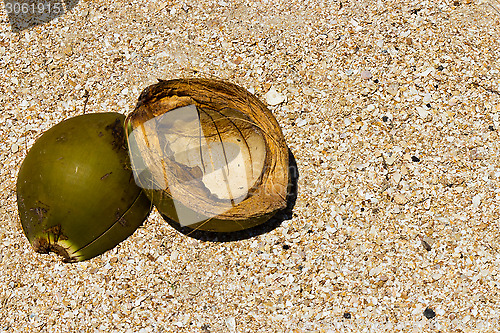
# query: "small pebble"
[301,122]
[390,160]
[393,89]
[14,148]
[174,255]
[400,199]
[273,97]
[194,290]
[429,313]
[359,166]
[422,112]
[476,201]
[436,276]
[371,107]
[366,75]
[427,98]
[308,91]
[68,50]
[231,324]
[237,60]
[425,244]
[396,177]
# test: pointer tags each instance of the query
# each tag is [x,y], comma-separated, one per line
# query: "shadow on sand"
[271,224]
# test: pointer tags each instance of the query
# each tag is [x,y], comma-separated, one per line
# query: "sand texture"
[391,110]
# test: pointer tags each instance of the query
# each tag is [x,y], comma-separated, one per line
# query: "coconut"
[208,154]
[76,193]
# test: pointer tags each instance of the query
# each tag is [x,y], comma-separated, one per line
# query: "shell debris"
[273,97]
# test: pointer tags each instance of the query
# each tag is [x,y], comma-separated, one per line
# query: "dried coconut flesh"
[198,153]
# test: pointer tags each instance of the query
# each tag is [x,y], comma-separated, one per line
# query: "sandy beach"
[390,109]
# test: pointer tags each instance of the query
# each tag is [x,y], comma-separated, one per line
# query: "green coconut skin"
[76,193]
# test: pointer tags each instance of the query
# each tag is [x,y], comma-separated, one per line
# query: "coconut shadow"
[271,224]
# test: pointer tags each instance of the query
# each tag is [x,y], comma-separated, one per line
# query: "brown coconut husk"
[232,111]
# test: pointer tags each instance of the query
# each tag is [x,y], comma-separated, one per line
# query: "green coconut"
[76,193]
[208,154]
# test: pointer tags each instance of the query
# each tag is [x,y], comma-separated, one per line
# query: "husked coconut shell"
[208,154]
